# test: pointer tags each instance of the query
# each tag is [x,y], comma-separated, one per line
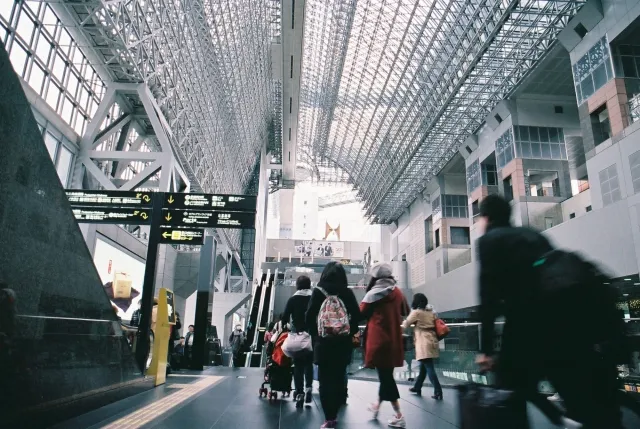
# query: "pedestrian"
[294,315]
[236,341]
[584,377]
[384,306]
[426,343]
[332,318]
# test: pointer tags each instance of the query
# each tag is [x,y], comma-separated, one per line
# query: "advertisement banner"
[320,249]
[122,278]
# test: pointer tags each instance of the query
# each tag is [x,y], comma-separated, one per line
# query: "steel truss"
[207,65]
[391,89]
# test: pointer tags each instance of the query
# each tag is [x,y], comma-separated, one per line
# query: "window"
[540,143]
[593,70]
[489,175]
[469,151]
[460,235]
[498,118]
[64,165]
[404,258]
[508,188]
[543,184]
[437,238]
[634,164]
[504,149]
[473,176]
[580,30]
[558,109]
[627,60]
[548,223]
[428,235]
[600,125]
[475,208]
[609,186]
[61,157]
[572,215]
[588,208]
[455,206]
[435,205]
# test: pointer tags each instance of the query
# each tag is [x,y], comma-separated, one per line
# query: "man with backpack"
[560,321]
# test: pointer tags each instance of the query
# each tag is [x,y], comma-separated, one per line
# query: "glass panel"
[600,77]
[553,135]
[534,136]
[67,110]
[52,95]
[5,9]
[536,151]
[64,165]
[524,134]
[18,58]
[25,27]
[526,150]
[628,67]
[563,151]
[555,151]
[43,48]
[587,87]
[583,68]
[65,41]
[36,79]
[544,134]
[58,67]
[546,150]
[52,145]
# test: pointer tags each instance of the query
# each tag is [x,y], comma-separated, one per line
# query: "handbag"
[485,407]
[297,344]
[442,330]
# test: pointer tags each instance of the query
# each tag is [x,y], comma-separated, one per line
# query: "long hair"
[420,301]
[333,278]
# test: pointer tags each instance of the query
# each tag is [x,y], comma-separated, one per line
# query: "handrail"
[631,319]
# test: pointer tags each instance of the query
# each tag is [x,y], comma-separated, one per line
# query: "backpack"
[580,306]
[333,319]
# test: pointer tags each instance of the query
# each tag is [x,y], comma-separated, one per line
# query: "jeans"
[388,388]
[427,369]
[303,371]
[331,380]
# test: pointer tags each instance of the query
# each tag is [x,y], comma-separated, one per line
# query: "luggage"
[484,407]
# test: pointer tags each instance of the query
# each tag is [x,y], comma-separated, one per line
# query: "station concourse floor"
[228,398]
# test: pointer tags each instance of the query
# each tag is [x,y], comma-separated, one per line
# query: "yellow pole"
[165,319]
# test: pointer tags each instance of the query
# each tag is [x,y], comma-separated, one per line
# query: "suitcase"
[485,407]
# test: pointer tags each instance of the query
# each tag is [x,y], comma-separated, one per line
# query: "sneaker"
[555,397]
[299,400]
[571,424]
[308,398]
[375,410]
[397,422]
[329,424]
[416,391]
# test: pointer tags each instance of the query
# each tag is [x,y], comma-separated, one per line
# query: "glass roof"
[390,89]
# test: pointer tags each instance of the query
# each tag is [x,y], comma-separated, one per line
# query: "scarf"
[303,292]
[381,289]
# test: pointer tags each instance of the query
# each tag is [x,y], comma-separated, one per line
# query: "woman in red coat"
[384,306]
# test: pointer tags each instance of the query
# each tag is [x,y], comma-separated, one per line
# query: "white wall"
[576,205]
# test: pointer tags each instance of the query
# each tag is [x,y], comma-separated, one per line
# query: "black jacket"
[295,310]
[333,350]
[507,288]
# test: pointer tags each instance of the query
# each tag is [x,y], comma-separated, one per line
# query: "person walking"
[236,341]
[332,319]
[541,338]
[384,307]
[294,315]
[426,343]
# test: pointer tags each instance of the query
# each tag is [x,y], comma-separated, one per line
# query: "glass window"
[58,67]
[473,176]
[18,58]
[634,164]
[36,78]
[52,95]
[504,148]
[5,9]
[64,165]
[609,186]
[593,70]
[460,235]
[43,48]
[541,143]
[25,27]
[52,145]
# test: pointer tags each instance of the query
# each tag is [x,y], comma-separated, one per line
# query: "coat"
[332,350]
[424,333]
[384,346]
[296,309]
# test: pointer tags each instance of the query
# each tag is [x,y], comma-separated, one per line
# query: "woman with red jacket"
[384,306]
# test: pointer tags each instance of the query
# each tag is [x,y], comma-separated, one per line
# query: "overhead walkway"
[225,398]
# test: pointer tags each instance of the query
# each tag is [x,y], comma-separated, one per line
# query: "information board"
[182,236]
[208,219]
[239,203]
[110,198]
[130,216]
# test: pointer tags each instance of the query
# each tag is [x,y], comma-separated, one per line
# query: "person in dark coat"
[385,306]
[508,287]
[332,354]
[294,314]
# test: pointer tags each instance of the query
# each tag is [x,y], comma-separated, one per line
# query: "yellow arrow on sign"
[168,217]
[143,215]
[166,234]
[146,198]
[170,200]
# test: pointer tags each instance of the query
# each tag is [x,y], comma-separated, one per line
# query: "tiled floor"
[226,398]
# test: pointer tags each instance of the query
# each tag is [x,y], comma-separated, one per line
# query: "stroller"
[278,373]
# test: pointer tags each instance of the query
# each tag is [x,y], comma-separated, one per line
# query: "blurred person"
[135,317]
[294,314]
[188,344]
[384,307]
[426,343]
[583,377]
[236,341]
[332,351]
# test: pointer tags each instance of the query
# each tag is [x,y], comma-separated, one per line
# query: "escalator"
[255,310]
[263,318]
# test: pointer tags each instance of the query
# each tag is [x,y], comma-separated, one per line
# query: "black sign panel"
[130,216]
[109,198]
[239,203]
[209,219]
[182,236]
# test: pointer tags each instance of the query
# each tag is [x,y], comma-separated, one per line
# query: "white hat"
[381,270]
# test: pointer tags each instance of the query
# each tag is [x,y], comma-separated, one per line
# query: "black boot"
[308,399]
[299,400]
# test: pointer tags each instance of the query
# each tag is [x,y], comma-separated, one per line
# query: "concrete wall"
[576,205]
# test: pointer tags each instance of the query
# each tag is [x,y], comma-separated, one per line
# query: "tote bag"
[297,344]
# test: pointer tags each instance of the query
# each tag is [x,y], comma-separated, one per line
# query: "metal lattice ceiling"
[391,88]
[207,63]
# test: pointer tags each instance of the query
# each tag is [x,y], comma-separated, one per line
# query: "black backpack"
[579,307]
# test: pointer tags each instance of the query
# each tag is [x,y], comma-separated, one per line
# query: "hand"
[486,363]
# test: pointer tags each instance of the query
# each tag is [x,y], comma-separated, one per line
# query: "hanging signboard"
[238,203]
[110,198]
[194,237]
[208,219]
[130,216]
